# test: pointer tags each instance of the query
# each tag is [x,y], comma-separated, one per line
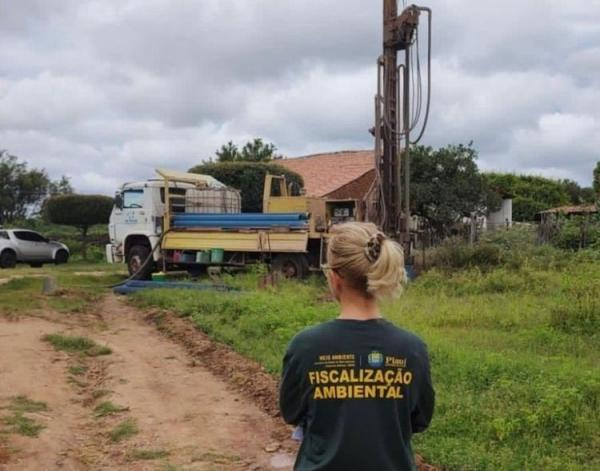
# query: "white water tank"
[213,200]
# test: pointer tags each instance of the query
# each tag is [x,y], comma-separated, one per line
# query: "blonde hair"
[366,259]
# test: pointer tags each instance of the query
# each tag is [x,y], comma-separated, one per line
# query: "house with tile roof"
[335,175]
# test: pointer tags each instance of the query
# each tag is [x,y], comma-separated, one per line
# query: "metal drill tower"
[398,106]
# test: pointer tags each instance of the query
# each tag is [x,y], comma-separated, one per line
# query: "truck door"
[133,206]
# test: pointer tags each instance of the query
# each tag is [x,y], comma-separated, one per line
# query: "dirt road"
[179,414]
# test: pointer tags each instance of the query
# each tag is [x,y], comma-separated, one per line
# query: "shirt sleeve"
[293,390]
[423,411]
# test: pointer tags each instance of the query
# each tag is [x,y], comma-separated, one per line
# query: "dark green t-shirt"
[359,389]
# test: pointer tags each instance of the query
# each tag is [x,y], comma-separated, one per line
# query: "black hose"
[428,76]
[143,265]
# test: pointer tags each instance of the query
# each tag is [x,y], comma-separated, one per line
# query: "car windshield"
[4,235]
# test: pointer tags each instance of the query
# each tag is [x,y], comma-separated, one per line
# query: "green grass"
[98,393]
[22,404]
[78,370]
[18,422]
[80,286]
[514,353]
[148,454]
[108,408]
[123,431]
[76,344]
[23,425]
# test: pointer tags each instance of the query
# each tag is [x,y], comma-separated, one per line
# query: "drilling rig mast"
[398,106]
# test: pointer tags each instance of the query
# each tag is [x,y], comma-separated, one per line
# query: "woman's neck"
[356,306]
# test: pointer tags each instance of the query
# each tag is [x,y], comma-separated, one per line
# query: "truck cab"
[136,222]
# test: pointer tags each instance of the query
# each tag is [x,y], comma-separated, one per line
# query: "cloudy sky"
[104,91]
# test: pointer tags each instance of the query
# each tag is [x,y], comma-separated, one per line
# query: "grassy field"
[79,286]
[514,344]
[514,352]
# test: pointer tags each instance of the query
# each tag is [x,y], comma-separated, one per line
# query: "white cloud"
[105,90]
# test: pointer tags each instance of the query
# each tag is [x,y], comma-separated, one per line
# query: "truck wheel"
[196,271]
[61,257]
[291,265]
[135,258]
[8,259]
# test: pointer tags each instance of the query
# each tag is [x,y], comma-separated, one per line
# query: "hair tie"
[373,247]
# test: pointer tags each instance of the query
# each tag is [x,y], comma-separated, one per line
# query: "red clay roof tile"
[324,173]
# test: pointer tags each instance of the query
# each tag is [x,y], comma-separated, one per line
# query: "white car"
[25,246]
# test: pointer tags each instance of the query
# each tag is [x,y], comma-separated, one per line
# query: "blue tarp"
[134,286]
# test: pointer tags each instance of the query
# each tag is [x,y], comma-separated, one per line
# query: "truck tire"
[8,259]
[291,265]
[61,257]
[196,271]
[136,256]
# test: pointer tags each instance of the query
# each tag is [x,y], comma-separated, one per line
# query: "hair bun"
[373,247]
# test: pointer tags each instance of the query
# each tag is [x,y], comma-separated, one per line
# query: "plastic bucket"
[188,257]
[216,255]
[203,257]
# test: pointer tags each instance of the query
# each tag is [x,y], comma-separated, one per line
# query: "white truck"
[183,219]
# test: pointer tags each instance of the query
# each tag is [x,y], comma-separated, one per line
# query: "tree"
[21,188]
[446,185]
[228,153]
[259,151]
[60,187]
[248,177]
[596,184]
[253,151]
[577,194]
[531,194]
[80,211]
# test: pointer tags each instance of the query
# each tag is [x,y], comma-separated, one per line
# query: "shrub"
[580,317]
[248,177]
[80,211]
[456,254]
[577,232]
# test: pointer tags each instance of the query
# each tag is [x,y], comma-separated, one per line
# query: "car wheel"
[62,256]
[36,265]
[291,265]
[135,258]
[8,259]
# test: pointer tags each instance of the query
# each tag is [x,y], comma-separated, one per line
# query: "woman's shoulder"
[403,336]
[312,335]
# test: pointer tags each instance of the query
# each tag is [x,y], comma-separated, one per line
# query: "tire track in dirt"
[205,405]
[31,368]
[179,406]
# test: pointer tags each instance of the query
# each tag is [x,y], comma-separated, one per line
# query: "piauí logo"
[375,359]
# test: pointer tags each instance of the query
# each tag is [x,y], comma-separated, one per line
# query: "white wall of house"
[502,218]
